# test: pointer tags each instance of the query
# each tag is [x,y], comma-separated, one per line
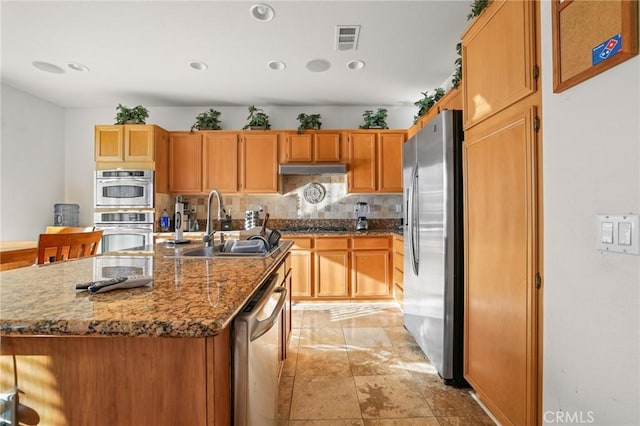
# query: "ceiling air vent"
[347,37]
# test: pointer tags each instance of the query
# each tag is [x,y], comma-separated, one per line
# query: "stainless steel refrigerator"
[433,245]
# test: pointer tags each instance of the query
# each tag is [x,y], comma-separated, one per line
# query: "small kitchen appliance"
[179,223]
[361,210]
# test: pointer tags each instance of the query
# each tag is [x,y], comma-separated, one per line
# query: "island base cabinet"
[119,380]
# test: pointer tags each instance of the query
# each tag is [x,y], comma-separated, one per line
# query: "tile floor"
[356,365]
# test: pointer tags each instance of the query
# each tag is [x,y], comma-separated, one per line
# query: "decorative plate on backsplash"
[314,193]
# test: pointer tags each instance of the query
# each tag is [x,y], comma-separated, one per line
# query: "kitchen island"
[157,355]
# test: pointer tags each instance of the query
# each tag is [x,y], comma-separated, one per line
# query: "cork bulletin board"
[591,36]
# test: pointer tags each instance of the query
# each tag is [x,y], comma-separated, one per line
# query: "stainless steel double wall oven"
[124,208]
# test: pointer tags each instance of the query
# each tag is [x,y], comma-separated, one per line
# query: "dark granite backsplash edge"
[350,224]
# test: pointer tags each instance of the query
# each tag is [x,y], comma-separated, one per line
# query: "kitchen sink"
[217,250]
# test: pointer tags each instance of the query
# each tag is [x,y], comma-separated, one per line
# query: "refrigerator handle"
[415,222]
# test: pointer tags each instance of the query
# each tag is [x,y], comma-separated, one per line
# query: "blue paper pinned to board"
[606,49]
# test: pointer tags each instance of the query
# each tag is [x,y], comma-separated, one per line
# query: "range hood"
[312,169]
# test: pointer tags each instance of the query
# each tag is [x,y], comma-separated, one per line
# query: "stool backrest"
[65,246]
[68,229]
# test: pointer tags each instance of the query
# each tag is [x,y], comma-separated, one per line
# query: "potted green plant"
[429,99]
[207,120]
[258,120]
[375,121]
[308,121]
[135,115]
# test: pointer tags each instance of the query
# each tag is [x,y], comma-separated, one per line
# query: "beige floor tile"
[452,402]
[360,321]
[321,338]
[420,421]
[324,397]
[366,337]
[399,336]
[296,318]
[465,421]
[321,318]
[285,391]
[390,318]
[375,361]
[289,366]
[390,397]
[350,422]
[323,362]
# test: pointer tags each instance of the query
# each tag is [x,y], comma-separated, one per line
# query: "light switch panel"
[618,233]
[606,233]
[624,233]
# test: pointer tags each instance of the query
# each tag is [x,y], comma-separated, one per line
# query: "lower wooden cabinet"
[371,269]
[332,267]
[398,269]
[301,260]
[80,380]
[341,268]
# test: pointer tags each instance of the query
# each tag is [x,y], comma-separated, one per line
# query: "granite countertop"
[190,297]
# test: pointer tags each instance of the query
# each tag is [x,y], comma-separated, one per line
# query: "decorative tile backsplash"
[291,204]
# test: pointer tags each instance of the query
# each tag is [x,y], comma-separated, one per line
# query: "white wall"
[591,300]
[80,134]
[32,164]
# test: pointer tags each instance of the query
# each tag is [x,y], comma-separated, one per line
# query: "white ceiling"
[138,52]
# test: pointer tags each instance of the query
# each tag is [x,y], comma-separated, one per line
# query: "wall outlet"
[398,208]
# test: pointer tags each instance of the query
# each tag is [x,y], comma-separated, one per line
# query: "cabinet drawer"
[398,245]
[398,261]
[398,278]
[366,243]
[399,294]
[332,243]
[301,243]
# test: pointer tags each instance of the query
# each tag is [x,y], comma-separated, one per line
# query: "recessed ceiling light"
[48,67]
[198,65]
[355,65]
[262,12]
[318,65]
[77,67]
[277,65]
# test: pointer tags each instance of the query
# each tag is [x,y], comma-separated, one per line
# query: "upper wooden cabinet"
[231,162]
[133,142]
[220,161]
[498,59]
[312,147]
[259,162]
[133,146]
[185,163]
[375,162]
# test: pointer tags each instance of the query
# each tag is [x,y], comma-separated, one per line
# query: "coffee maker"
[361,210]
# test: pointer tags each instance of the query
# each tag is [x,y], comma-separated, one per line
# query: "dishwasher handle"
[261,327]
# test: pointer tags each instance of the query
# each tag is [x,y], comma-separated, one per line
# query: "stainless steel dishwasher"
[256,356]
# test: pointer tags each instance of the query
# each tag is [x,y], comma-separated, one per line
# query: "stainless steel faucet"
[210,232]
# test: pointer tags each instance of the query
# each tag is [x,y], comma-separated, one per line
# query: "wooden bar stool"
[65,246]
[68,229]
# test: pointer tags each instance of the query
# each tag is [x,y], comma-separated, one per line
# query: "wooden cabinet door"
[301,274]
[185,163]
[109,145]
[138,142]
[390,162]
[332,274]
[301,260]
[371,274]
[220,161]
[498,59]
[500,264]
[362,162]
[326,147]
[259,156]
[161,138]
[299,148]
